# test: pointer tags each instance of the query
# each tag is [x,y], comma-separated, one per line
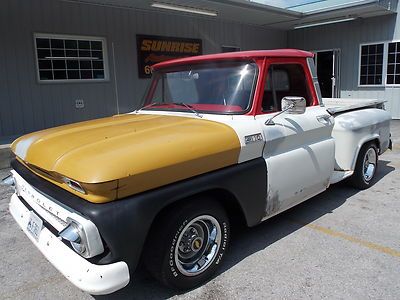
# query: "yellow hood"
[131,153]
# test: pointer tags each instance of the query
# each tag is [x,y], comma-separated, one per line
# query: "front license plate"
[35,225]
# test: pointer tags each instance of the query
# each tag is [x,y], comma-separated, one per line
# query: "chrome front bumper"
[91,278]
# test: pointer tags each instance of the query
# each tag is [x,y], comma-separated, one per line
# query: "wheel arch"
[374,138]
[227,199]
[224,197]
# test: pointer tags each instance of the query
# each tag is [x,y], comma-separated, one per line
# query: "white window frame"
[387,56]
[384,66]
[73,37]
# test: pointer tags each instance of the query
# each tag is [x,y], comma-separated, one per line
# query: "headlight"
[83,236]
[9,180]
[75,235]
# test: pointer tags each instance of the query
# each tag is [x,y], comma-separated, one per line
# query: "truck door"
[299,149]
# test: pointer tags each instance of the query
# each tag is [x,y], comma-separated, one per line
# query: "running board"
[340,175]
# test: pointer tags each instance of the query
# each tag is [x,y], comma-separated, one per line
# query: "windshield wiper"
[189,107]
[149,105]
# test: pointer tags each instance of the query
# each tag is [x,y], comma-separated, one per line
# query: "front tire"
[188,244]
[366,166]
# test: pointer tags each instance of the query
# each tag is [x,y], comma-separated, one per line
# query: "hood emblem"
[254,138]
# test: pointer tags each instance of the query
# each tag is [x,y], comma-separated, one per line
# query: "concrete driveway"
[342,244]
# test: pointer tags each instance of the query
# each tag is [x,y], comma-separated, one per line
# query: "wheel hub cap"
[369,165]
[198,245]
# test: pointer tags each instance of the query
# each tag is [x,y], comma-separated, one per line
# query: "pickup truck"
[233,137]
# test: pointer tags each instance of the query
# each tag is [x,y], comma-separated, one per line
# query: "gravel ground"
[342,244]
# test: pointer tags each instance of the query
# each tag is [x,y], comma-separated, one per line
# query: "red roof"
[235,55]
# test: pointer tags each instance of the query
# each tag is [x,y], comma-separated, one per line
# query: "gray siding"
[348,37]
[26,105]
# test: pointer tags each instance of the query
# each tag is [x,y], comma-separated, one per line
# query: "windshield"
[218,88]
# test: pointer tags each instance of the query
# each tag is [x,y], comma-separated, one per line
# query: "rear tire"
[188,244]
[366,166]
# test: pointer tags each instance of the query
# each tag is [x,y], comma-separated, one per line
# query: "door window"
[284,80]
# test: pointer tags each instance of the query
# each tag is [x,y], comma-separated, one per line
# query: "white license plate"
[35,225]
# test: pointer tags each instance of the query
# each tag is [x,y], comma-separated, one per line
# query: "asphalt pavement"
[341,244]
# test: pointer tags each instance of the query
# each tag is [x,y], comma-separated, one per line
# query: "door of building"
[327,64]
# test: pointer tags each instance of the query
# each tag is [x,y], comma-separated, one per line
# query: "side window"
[284,80]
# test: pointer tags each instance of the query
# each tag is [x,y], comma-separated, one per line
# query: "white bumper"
[91,278]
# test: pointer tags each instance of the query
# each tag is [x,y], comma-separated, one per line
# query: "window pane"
[85,64]
[58,64]
[84,44]
[95,45]
[73,74]
[98,74]
[84,53]
[371,80]
[371,70]
[72,64]
[57,43]
[364,50]
[43,43]
[379,49]
[71,44]
[46,75]
[57,53]
[97,64]
[392,47]
[397,70]
[392,58]
[363,80]
[390,79]
[390,69]
[364,70]
[371,49]
[62,74]
[371,59]
[364,60]
[71,53]
[43,53]
[284,80]
[97,54]
[45,64]
[85,74]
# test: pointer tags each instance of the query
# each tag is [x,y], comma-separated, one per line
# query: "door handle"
[324,119]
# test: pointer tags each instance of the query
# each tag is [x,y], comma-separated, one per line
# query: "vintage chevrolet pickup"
[219,138]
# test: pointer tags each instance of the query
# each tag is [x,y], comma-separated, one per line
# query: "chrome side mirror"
[294,105]
[291,105]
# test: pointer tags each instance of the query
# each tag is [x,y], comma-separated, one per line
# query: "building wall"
[26,105]
[347,37]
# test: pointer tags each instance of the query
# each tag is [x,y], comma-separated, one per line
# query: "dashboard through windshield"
[221,87]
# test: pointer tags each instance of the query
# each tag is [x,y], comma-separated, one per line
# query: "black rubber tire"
[158,255]
[357,180]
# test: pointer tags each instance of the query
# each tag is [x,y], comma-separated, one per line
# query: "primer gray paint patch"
[22,147]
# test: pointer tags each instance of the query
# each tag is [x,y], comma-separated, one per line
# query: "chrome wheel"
[369,165]
[198,245]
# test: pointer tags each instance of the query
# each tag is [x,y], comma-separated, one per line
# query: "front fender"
[124,224]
